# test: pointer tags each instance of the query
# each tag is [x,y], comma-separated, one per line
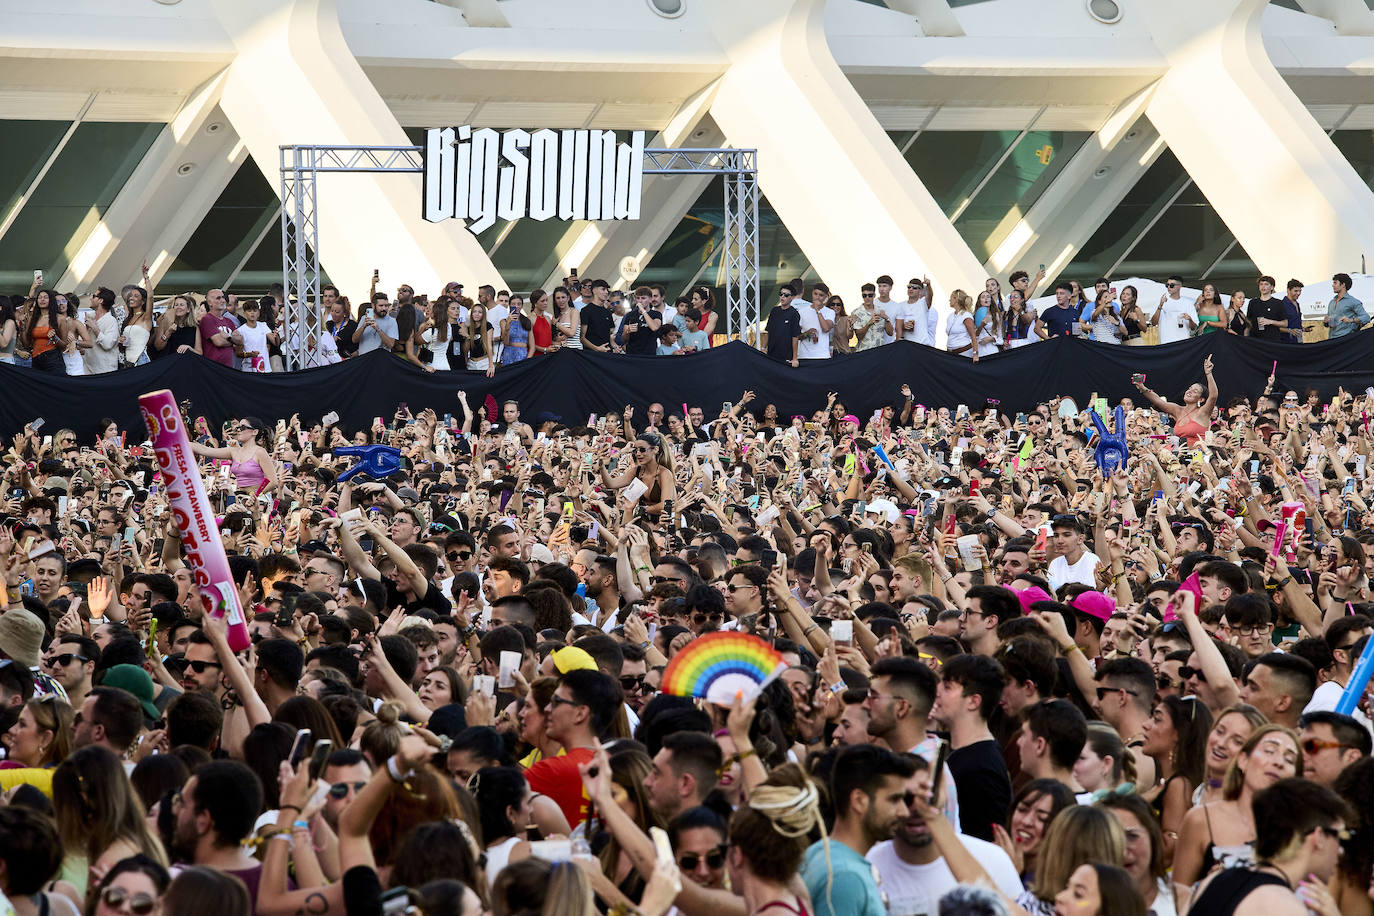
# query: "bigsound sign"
[482,174]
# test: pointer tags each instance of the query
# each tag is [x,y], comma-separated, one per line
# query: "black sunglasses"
[715,858]
[199,667]
[65,658]
[629,682]
[459,556]
[340,789]
[702,618]
[1185,673]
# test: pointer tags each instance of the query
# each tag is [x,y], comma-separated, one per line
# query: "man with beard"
[915,875]
[900,694]
[214,813]
[868,787]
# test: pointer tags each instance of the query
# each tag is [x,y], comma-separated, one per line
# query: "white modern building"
[955,138]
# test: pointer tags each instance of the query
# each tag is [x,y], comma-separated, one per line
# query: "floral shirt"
[873,335]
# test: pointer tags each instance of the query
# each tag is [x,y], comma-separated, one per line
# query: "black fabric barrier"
[572,384]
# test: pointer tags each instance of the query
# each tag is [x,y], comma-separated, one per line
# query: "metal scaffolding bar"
[300,249]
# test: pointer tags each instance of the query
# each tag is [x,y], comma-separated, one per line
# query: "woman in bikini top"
[1193,417]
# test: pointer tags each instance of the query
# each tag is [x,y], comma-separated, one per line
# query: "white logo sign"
[479,175]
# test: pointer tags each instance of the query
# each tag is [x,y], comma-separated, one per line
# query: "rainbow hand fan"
[720,665]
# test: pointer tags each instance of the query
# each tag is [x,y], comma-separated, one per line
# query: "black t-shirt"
[644,341]
[980,775]
[1274,311]
[362,891]
[343,336]
[784,326]
[597,324]
[433,599]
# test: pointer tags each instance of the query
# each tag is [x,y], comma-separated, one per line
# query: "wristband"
[394,771]
[295,808]
[1066,651]
[646,644]
[301,825]
[838,688]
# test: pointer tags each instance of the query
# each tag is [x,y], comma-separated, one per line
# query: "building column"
[165,199]
[1082,196]
[294,80]
[1295,205]
[826,165]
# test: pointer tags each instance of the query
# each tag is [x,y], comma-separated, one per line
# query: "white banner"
[478,175]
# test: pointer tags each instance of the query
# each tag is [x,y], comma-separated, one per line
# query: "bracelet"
[739,757]
[646,644]
[810,629]
[295,808]
[838,688]
[469,631]
[301,825]
[647,569]
[278,835]
[394,771]
[1068,650]
[1282,583]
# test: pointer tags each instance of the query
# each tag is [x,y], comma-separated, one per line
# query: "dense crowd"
[1015,681]
[54,332]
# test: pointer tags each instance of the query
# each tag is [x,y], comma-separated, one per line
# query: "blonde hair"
[962,302]
[1077,835]
[773,827]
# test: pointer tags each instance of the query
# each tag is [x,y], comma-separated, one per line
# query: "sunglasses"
[140,904]
[1185,673]
[702,618]
[1312,745]
[1103,691]
[65,659]
[340,789]
[660,580]
[459,556]
[715,859]
[734,588]
[631,682]
[199,667]
[1166,683]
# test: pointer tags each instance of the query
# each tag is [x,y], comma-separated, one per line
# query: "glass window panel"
[28,144]
[950,163]
[1358,148]
[696,242]
[1160,181]
[223,236]
[71,199]
[1186,240]
[1015,187]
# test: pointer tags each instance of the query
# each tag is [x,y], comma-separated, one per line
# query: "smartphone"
[286,614]
[484,684]
[663,849]
[37,424]
[1042,536]
[769,559]
[508,665]
[1254,467]
[973,486]
[61,505]
[40,549]
[319,756]
[300,747]
[938,772]
[842,632]
[330,418]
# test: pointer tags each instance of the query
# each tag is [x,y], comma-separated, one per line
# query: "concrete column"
[1285,190]
[158,209]
[825,163]
[1082,196]
[294,80]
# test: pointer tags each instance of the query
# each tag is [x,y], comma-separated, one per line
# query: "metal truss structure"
[300,237]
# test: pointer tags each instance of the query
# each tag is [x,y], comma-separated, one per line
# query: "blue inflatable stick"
[1111,447]
[882,454]
[378,461]
[1354,688]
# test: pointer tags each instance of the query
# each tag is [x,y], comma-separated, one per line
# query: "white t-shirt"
[1081,572]
[890,307]
[1325,698]
[810,321]
[916,889]
[495,315]
[1175,311]
[255,339]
